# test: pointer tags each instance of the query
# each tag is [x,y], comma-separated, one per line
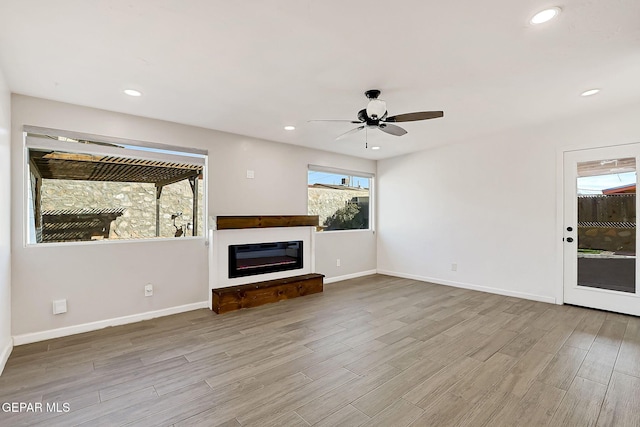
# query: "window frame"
[348,172]
[34,137]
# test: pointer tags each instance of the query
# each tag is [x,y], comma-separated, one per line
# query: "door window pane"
[607,224]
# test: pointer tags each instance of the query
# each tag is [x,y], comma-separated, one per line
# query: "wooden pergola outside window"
[54,164]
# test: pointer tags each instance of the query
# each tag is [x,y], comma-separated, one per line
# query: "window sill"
[113,242]
[320,233]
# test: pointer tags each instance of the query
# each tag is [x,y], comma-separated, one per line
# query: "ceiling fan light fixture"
[376,109]
[545,15]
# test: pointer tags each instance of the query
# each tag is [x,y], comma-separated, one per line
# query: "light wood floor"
[374,351]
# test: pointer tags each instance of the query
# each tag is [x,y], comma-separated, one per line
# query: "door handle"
[569,239]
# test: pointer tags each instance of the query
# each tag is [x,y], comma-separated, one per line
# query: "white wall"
[489,205]
[5,219]
[104,280]
[353,248]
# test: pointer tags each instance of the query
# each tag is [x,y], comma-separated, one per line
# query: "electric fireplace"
[260,258]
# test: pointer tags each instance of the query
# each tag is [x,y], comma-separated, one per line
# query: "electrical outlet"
[250,174]
[148,290]
[338,262]
[454,267]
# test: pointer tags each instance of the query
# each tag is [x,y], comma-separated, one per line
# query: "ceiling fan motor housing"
[367,120]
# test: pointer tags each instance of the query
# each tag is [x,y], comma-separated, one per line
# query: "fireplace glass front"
[260,258]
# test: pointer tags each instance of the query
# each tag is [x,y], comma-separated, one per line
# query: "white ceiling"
[251,67]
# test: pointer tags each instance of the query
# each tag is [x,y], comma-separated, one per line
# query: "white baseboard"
[349,276]
[93,326]
[4,355]
[505,292]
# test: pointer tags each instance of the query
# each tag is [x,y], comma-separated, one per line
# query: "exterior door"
[600,205]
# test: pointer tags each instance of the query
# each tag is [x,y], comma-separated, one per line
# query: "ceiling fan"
[375,116]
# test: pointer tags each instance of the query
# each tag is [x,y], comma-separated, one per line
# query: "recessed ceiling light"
[133,92]
[289,128]
[545,15]
[375,148]
[590,92]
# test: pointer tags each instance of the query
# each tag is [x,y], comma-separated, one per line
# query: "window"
[97,189]
[340,198]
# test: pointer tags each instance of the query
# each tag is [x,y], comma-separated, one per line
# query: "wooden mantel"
[266,221]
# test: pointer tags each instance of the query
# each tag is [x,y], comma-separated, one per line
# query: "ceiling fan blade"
[391,129]
[412,117]
[355,122]
[352,131]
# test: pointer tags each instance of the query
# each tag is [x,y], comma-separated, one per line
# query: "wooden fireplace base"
[260,293]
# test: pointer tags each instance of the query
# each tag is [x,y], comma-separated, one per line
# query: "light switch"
[250,174]
[59,306]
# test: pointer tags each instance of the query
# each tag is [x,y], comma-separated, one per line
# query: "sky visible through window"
[595,184]
[316,177]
